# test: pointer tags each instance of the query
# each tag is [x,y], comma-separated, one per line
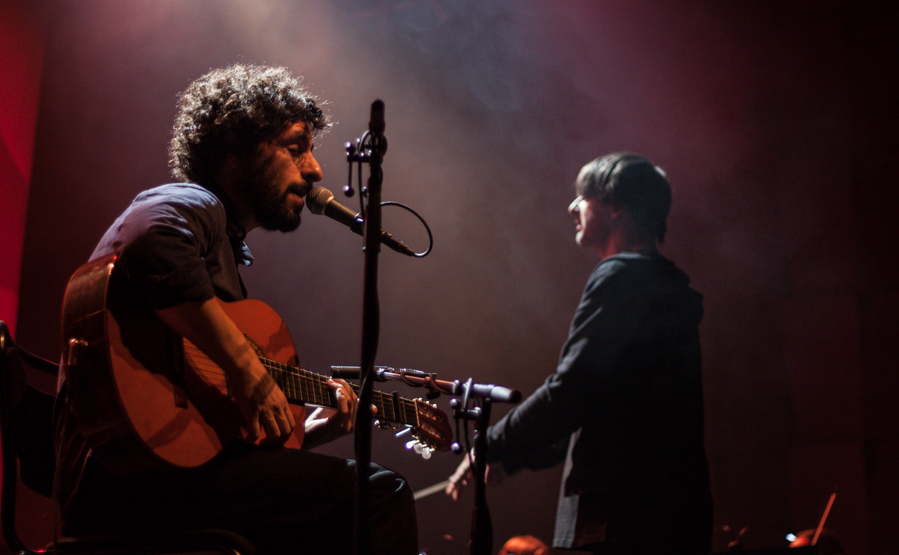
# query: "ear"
[620,219]
[616,213]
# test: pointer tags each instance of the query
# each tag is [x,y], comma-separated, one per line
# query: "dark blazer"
[624,412]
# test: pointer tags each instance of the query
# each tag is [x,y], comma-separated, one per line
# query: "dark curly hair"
[632,183]
[231,111]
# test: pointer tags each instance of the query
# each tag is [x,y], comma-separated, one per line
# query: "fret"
[303,386]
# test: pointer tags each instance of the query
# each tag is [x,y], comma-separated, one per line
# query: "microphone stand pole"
[370,330]
[481,523]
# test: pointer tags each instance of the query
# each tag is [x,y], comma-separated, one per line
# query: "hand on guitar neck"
[322,427]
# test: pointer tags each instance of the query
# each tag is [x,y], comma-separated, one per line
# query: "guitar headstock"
[433,432]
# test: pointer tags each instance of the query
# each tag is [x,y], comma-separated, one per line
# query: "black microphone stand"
[371,148]
[370,326]
[481,523]
[487,394]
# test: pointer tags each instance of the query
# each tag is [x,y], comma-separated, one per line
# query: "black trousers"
[283,500]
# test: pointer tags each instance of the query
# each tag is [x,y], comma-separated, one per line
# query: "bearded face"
[268,200]
[276,178]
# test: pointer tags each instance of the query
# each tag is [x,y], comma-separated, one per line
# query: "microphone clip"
[369,149]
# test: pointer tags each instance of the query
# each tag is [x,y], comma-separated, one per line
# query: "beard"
[269,205]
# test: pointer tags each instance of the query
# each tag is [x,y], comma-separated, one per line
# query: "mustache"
[300,190]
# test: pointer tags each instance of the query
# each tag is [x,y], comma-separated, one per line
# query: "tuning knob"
[420,448]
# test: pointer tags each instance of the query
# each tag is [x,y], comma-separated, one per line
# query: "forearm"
[207,326]
[260,400]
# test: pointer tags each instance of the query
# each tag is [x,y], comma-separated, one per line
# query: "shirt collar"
[234,227]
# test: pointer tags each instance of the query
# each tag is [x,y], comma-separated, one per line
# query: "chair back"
[26,432]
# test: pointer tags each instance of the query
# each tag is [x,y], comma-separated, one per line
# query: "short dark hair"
[233,110]
[632,183]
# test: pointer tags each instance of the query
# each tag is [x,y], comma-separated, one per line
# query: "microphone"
[376,128]
[495,393]
[376,121]
[322,201]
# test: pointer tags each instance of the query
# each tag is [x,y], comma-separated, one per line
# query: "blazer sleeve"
[535,433]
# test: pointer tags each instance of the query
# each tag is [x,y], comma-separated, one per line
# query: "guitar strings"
[304,386]
[321,395]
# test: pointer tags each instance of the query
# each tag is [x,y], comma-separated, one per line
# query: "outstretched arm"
[463,474]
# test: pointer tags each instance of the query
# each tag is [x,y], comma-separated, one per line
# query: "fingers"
[269,426]
[278,423]
[252,429]
[266,410]
[347,402]
[459,478]
[454,488]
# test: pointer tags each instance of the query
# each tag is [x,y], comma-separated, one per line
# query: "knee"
[389,485]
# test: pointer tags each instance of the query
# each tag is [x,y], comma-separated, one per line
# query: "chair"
[26,437]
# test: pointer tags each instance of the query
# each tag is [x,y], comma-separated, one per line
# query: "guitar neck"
[303,386]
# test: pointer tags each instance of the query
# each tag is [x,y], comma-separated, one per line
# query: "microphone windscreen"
[317,199]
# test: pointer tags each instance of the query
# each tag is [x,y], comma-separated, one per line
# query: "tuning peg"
[420,448]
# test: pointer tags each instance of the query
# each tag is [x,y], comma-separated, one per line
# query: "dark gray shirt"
[174,243]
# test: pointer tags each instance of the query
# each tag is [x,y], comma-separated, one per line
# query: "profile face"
[592,222]
[279,176]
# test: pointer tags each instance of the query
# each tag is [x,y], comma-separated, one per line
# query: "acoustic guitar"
[145,397]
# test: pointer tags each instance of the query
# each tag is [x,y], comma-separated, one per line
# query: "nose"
[573,207]
[310,170]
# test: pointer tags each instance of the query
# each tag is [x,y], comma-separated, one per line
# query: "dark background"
[775,122]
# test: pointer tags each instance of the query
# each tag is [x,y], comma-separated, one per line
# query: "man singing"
[242,152]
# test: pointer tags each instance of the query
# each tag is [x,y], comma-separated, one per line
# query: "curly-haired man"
[242,151]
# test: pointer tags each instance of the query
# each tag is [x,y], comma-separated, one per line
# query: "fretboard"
[303,386]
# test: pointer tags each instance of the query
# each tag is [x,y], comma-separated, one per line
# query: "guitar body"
[188,420]
[144,397]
